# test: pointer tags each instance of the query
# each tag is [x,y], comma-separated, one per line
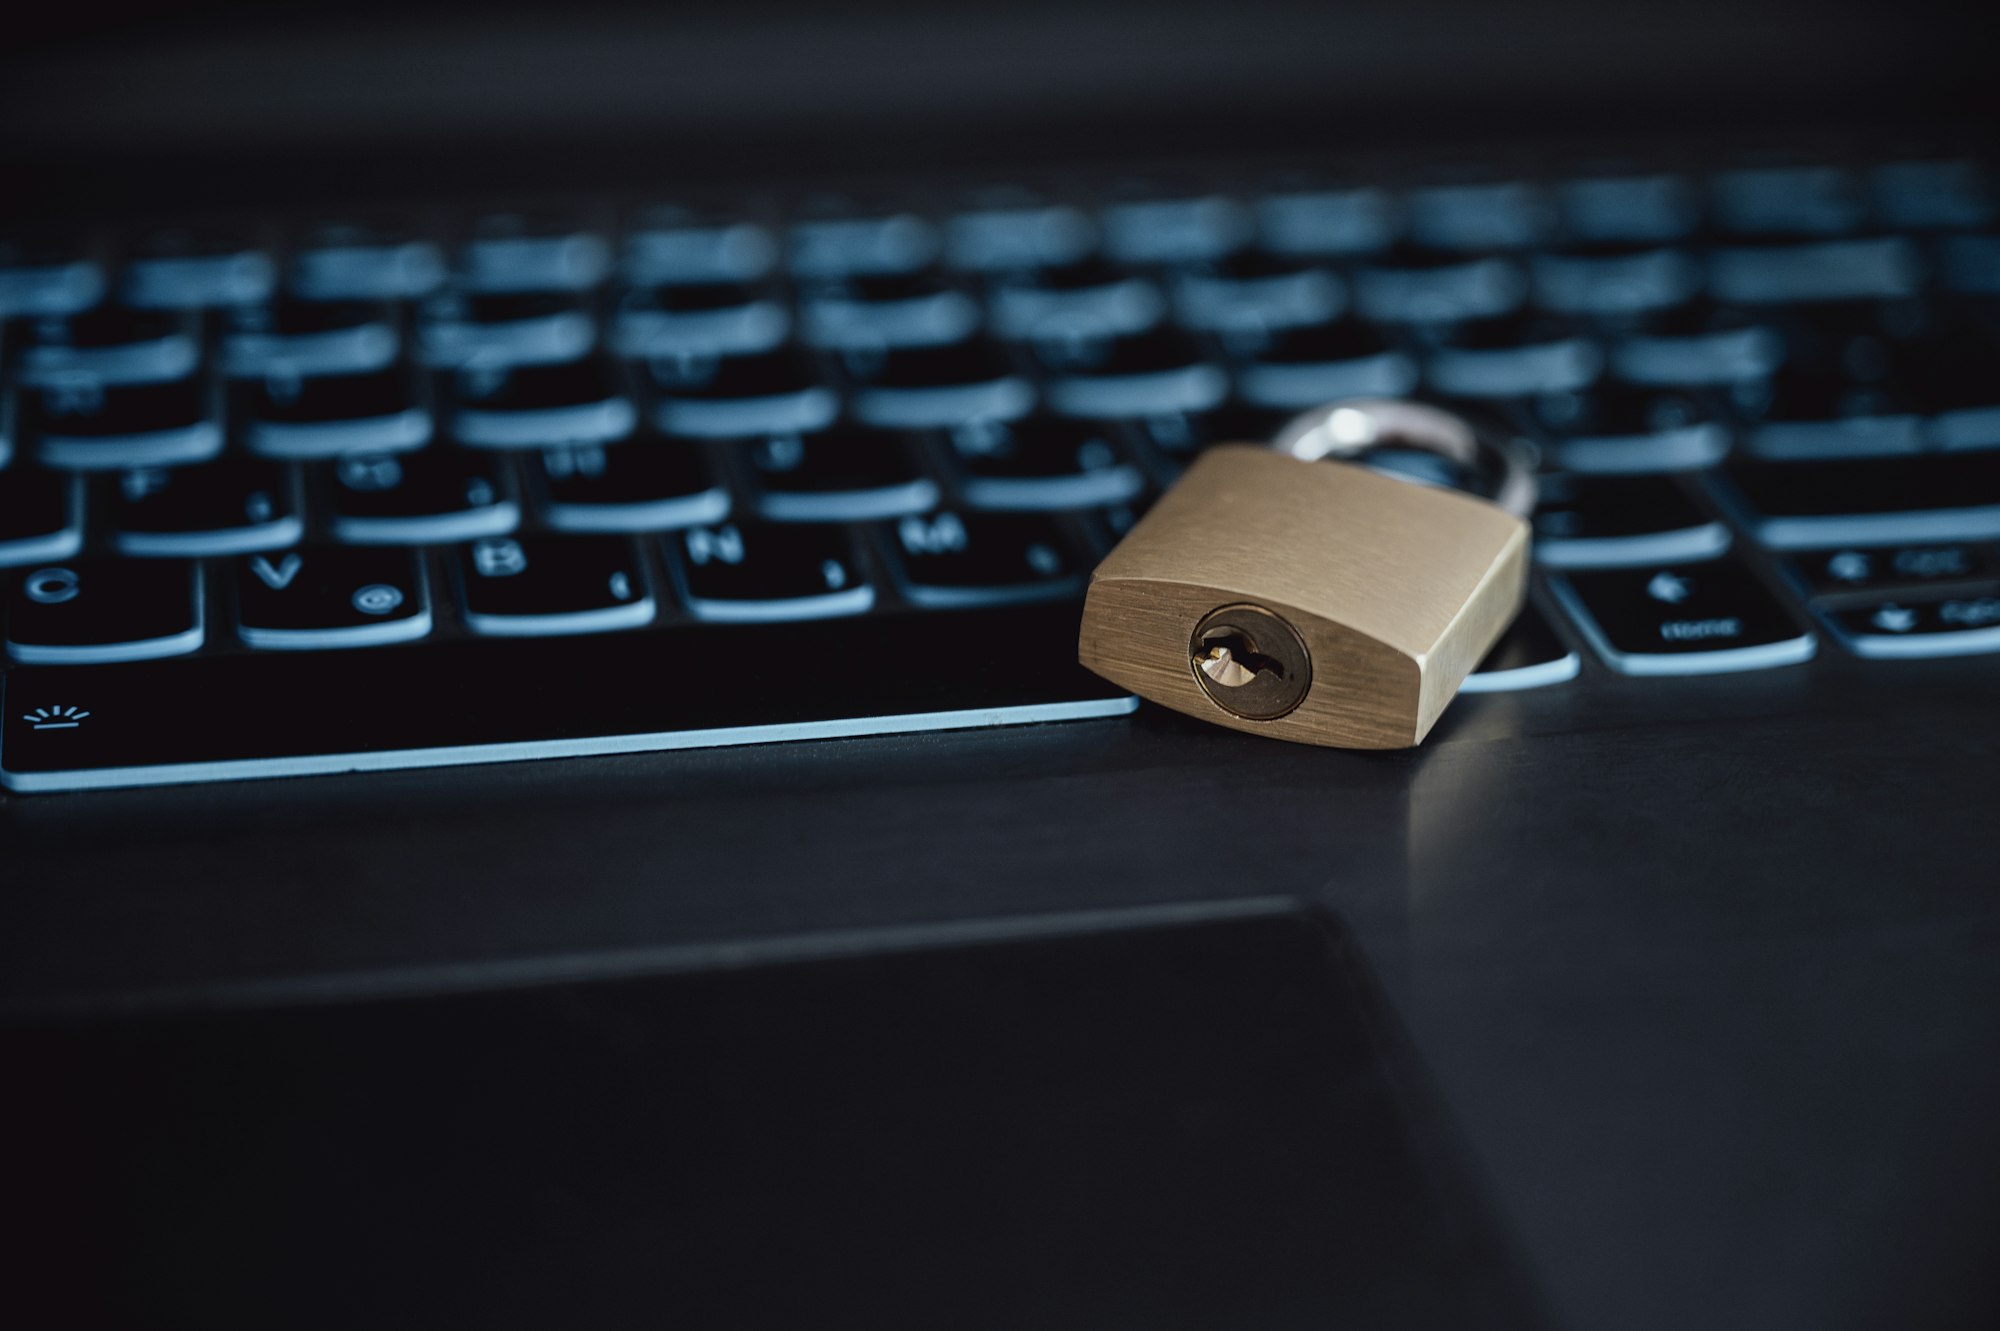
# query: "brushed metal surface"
[1397,590]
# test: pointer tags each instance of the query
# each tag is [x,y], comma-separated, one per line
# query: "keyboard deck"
[428,488]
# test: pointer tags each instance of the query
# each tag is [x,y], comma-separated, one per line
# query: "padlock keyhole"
[1250,662]
[1242,651]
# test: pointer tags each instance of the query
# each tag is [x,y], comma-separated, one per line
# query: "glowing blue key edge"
[534,750]
[604,619]
[55,545]
[146,649]
[1791,651]
[1537,676]
[408,628]
[785,610]
[1705,541]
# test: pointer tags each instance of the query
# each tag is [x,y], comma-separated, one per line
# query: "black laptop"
[546,777]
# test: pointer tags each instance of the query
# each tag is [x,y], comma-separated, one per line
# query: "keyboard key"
[1951,371]
[529,406]
[1175,230]
[1837,393]
[845,246]
[1143,374]
[1043,462]
[511,252]
[949,560]
[94,611]
[536,328]
[751,572]
[1853,569]
[1873,267]
[1012,229]
[1499,215]
[1296,368]
[919,387]
[671,245]
[1417,285]
[188,270]
[326,416]
[645,484]
[1256,289]
[894,310]
[1810,411]
[1513,356]
[1087,297]
[41,516]
[1971,263]
[1319,222]
[1175,437]
[1686,619]
[1866,501]
[1613,428]
[226,507]
[1529,656]
[359,261]
[712,318]
[1900,629]
[468,702]
[111,345]
[330,597]
[1628,209]
[725,397]
[299,337]
[846,474]
[1614,279]
[538,586]
[1933,195]
[86,426]
[1622,521]
[47,278]
[1694,345]
[434,497]
[1788,200]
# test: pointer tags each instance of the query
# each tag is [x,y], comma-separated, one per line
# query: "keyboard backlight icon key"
[55,718]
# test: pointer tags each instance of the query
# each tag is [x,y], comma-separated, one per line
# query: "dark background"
[1702,968]
[94,99]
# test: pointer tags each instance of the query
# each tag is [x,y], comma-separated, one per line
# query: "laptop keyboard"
[403,491]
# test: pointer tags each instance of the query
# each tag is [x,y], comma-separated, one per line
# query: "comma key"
[1687,619]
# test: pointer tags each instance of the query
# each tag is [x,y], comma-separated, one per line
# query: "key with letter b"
[1315,601]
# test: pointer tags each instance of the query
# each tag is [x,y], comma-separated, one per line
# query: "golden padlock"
[1318,601]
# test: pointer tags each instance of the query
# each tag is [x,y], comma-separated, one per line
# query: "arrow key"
[1959,626]
[334,596]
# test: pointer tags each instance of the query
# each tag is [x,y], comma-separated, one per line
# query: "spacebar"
[256,715]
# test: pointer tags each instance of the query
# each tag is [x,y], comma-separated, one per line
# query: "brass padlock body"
[1397,590]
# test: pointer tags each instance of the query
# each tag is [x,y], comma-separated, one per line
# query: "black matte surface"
[1197,1125]
[1703,967]
[444,695]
